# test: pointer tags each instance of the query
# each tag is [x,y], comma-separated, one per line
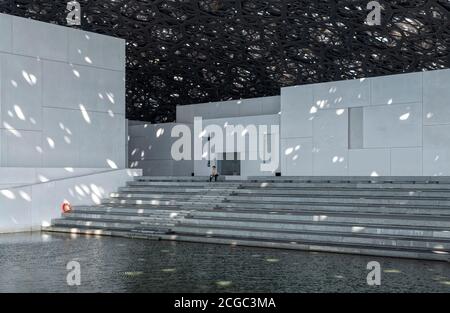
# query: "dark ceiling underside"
[191,51]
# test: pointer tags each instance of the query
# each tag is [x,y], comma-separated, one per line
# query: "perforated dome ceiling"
[190,51]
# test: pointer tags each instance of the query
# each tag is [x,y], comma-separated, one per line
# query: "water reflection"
[37,263]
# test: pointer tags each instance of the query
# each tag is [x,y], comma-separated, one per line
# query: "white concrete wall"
[29,207]
[405,126]
[150,144]
[249,167]
[226,109]
[150,150]
[62,96]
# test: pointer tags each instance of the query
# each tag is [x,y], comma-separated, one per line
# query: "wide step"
[390,216]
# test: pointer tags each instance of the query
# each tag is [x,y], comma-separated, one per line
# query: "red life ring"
[66,207]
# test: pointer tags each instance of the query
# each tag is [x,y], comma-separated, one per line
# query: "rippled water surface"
[37,263]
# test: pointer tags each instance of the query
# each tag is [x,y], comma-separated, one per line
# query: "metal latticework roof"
[193,51]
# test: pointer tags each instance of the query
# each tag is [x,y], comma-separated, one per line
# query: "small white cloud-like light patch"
[69,169]
[51,142]
[19,113]
[244,132]
[430,115]
[297,148]
[85,114]
[25,196]
[340,111]
[30,78]
[87,36]
[79,191]
[289,151]
[33,121]
[11,114]
[295,157]
[12,130]
[436,158]
[111,113]
[45,224]
[8,194]
[110,96]
[14,83]
[67,140]
[335,159]
[313,110]
[357,229]
[39,149]
[43,179]
[112,164]
[202,134]
[76,73]
[134,151]
[390,101]
[204,155]
[374,174]
[160,132]
[96,199]
[404,117]
[100,96]
[88,60]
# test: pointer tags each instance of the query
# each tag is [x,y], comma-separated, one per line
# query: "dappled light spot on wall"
[111,164]
[430,115]
[340,111]
[30,78]
[25,196]
[76,73]
[88,60]
[43,179]
[110,96]
[374,174]
[69,169]
[390,101]
[288,151]
[67,140]
[39,150]
[14,83]
[160,132]
[404,117]
[85,114]
[19,113]
[12,130]
[51,142]
[8,194]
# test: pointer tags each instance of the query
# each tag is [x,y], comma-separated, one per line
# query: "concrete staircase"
[391,216]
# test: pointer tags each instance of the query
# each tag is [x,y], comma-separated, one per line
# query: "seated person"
[214,174]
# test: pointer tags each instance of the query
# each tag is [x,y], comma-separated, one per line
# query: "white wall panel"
[369,162]
[75,87]
[330,129]
[342,94]
[393,126]
[21,147]
[5,33]
[436,161]
[93,49]
[297,157]
[297,112]
[403,88]
[333,162]
[406,161]
[39,39]
[436,97]
[21,92]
